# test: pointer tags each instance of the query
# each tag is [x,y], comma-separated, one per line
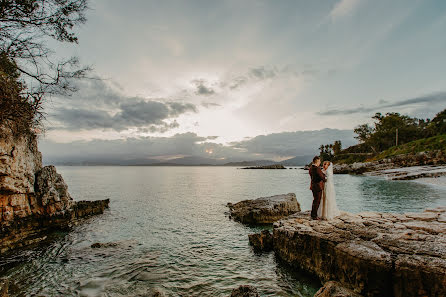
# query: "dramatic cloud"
[98,106]
[294,143]
[431,98]
[202,89]
[273,146]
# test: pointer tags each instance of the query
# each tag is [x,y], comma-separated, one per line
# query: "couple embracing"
[322,186]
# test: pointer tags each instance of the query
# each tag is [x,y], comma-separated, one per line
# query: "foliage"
[28,67]
[328,151]
[421,145]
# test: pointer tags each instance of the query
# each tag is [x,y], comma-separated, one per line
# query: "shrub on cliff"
[29,71]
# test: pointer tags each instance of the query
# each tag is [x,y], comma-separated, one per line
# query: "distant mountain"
[185,161]
[251,163]
[191,161]
[297,161]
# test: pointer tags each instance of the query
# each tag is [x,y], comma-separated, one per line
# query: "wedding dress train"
[328,208]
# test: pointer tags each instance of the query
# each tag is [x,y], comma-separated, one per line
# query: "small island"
[274,166]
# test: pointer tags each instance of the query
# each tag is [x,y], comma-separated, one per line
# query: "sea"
[170,232]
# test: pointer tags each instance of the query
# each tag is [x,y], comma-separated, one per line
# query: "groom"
[317,185]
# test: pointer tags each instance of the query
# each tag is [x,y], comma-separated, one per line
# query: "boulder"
[265,210]
[262,241]
[370,253]
[245,291]
[335,289]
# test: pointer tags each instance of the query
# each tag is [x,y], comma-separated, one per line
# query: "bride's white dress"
[328,208]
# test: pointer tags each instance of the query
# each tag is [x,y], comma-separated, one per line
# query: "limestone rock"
[265,210]
[262,241]
[245,291]
[33,200]
[373,254]
[335,289]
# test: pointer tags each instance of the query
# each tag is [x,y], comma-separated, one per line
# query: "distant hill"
[251,163]
[297,161]
[184,161]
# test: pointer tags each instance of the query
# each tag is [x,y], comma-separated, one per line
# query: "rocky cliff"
[33,199]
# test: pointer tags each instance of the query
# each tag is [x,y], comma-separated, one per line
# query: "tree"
[25,27]
[337,147]
[363,132]
[438,124]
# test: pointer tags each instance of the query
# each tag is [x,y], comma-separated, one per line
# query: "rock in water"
[335,289]
[262,241]
[265,210]
[374,254]
[34,200]
[245,291]
[275,166]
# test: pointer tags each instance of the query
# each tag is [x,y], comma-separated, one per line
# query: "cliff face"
[33,199]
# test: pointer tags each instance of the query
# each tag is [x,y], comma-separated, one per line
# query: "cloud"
[210,104]
[343,8]
[433,98]
[271,146]
[202,89]
[294,143]
[99,106]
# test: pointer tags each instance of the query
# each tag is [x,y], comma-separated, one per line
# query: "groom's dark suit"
[317,185]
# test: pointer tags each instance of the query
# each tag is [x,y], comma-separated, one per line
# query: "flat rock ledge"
[264,210]
[373,254]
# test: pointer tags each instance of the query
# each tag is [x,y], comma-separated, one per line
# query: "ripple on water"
[171,233]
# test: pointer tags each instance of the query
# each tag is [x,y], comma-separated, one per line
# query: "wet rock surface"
[335,289]
[265,210]
[245,291]
[34,200]
[261,242]
[373,254]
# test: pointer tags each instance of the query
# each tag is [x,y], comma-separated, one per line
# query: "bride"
[328,208]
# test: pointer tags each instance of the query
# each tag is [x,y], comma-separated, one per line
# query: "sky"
[245,79]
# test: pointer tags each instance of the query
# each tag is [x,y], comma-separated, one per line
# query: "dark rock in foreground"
[262,241]
[265,210]
[245,291]
[335,289]
[373,254]
[275,166]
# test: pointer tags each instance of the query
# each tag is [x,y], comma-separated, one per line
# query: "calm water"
[173,235]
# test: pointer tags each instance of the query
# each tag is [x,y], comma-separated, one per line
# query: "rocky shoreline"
[365,254]
[34,200]
[421,160]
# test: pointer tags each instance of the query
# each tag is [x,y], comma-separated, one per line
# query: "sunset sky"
[205,78]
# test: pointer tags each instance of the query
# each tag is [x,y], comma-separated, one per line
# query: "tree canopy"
[29,70]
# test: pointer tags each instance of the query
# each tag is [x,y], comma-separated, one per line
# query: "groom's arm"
[321,174]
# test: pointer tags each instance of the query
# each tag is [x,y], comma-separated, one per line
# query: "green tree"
[27,63]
